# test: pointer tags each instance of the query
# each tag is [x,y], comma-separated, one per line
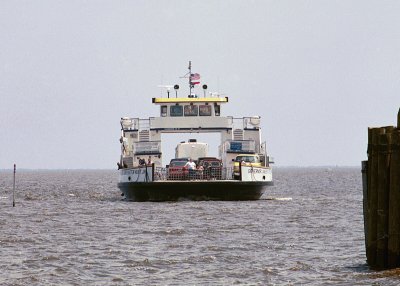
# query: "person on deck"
[192,168]
[200,170]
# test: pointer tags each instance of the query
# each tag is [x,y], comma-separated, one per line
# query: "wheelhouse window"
[217,110]
[191,110]
[163,110]
[176,110]
[205,110]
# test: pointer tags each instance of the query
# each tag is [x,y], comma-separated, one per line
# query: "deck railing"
[211,173]
[239,123]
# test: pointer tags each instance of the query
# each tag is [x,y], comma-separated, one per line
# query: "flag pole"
[15,167]
[190,78]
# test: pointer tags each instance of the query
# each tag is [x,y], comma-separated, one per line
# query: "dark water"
[72,228]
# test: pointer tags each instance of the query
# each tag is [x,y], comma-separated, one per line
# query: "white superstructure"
[141,138]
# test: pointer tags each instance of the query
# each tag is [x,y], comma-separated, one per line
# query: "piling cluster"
[382,197]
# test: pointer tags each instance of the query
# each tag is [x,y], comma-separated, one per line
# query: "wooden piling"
[364,170]
[394,203]
[398,119]
[372,179]
[381,242]
[382,197]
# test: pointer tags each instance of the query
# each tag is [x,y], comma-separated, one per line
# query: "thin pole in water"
[15,168]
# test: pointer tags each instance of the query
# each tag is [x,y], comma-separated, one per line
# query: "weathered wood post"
[364,170]
[15,169]
[382,197]
[398,119]
[394,203]
[372,183]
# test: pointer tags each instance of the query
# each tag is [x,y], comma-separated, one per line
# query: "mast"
[190,78]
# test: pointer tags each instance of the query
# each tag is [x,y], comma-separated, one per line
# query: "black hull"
[193,190]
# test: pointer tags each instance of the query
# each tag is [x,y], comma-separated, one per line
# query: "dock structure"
[381,197]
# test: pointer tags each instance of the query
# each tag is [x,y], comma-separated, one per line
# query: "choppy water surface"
[72,228]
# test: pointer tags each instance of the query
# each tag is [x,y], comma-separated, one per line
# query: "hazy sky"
[319,73]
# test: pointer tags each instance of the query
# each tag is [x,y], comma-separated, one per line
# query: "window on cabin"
[191,110]
[217,110]
[163,110]
[176,110]
[205,110]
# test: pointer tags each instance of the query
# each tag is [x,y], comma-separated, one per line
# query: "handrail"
[182,174]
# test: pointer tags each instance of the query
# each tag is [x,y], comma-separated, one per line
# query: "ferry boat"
[143,176]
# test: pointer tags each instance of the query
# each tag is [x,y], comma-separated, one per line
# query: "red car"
[177,170]
[211,168]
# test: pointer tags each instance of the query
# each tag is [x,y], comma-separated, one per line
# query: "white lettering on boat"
[134,172]
[259,171]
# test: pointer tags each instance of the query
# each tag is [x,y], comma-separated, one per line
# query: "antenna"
[168,87]
[193,79]
[190,79]
[216,94]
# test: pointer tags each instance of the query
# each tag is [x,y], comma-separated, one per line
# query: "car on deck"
[176,169]
[209,168]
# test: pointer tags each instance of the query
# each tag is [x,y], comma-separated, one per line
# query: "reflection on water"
[71,227]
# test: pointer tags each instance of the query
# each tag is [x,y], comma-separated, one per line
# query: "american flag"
[194,76]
